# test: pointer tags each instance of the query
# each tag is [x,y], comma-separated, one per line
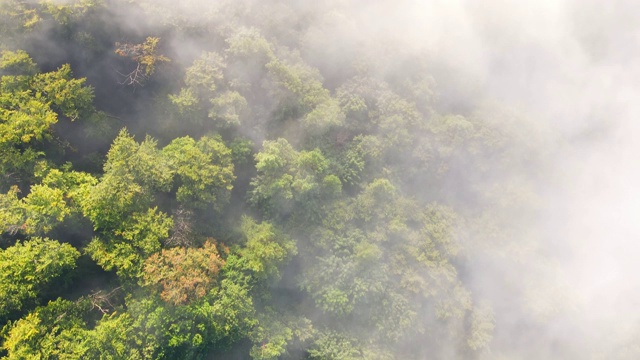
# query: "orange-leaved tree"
[183,275]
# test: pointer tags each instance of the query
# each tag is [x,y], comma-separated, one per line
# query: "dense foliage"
[198,183]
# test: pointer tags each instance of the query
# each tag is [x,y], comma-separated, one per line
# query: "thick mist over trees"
[318,180]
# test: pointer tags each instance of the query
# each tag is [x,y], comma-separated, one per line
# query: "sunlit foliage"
[348,204]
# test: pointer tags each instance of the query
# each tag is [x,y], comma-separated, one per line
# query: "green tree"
[290,181]
[120,205]
[131,243]
[265,249]
[16,16]
[133,173]
[208,95]
[204,169]
[206,74]
[122,336]
[54,331]
[27,267]
[275,334]
[330,345]
[384,263]
[48,203]
[152,328]
[30,104]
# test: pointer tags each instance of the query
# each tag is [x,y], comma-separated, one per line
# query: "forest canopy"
[228,179]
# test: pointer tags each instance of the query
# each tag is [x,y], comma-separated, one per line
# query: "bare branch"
[102,301]
[182,228]
[137,77]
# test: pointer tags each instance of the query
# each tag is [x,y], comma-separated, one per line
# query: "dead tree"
[102,301]
[144,56]
[182,228]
